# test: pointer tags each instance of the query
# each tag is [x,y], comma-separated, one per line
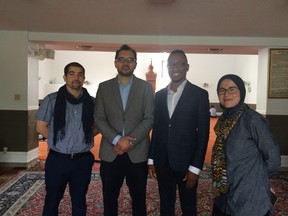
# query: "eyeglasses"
[129,60]
[230,90]
[176,65]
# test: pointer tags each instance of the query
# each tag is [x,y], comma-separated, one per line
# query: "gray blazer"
[136,120]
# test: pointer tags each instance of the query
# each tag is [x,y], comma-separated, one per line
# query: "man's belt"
[71,156]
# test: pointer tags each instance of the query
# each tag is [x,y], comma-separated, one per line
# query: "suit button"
[169,125]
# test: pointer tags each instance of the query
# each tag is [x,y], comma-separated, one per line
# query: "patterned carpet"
[24,195]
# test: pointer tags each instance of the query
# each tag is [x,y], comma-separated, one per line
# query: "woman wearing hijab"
[244,155]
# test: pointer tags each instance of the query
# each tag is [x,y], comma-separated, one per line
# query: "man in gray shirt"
[66,119]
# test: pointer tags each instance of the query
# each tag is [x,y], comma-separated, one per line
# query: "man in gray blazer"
[124,114]
[179,139]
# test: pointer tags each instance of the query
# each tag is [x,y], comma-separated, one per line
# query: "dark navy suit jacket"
[182,139]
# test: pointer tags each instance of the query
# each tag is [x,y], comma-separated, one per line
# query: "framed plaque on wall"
[278,73]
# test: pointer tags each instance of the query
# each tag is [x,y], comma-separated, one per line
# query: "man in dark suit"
[124,112]
[179,139]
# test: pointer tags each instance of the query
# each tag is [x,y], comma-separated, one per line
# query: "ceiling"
[172,18]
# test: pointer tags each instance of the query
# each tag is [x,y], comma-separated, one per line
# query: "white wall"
[14,78]
[33,87]
[265,105]
[204,68]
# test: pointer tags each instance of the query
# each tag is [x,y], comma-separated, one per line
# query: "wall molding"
[20,159]
[284,161]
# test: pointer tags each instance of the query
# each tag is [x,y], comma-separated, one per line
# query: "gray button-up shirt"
[74,141]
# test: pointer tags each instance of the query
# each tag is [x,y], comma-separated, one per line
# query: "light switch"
[17,97]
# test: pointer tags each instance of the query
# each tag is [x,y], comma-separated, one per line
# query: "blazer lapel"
[163,100]
[180,102]
[116,91]
[132,92]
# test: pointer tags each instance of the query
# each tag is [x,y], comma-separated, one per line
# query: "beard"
[125,73]
[76,85]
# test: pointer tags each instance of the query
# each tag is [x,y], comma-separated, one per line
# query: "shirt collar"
[180,87]
[128,83]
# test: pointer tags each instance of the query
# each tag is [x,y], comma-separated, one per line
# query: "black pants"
[113,175]
[217,212]
[168,181]
[59,171]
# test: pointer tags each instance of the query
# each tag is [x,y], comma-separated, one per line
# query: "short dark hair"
[75,64]
[181,52]
[126,47]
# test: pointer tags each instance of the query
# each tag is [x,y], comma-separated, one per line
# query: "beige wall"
[19,77]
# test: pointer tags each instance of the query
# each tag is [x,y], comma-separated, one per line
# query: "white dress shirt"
[172,101]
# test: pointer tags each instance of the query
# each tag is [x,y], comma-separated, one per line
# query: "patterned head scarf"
[222,129]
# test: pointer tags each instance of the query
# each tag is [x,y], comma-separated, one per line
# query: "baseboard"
[24,165]
[19,159]
[284,161]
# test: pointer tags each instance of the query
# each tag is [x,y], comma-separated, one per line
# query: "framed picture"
[278,73]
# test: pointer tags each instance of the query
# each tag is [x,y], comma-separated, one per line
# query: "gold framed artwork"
[278,73]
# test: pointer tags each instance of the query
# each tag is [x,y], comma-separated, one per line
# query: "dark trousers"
[168,181]
[59,171]
[112,176]
[217,212]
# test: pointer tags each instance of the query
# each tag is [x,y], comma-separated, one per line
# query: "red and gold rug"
[24,195]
